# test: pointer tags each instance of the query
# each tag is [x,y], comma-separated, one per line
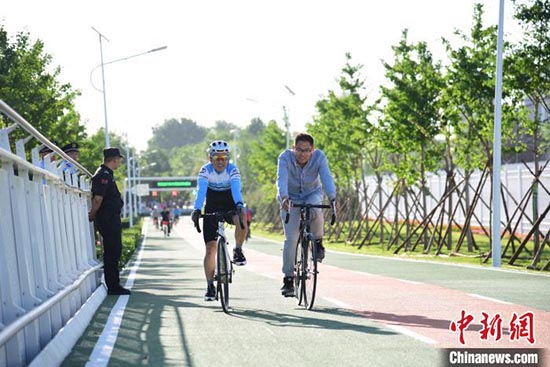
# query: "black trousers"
[112,250]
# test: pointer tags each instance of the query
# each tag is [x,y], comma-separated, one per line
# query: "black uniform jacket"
[108,215]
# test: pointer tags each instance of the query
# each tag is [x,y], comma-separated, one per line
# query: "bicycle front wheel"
[223,267]
[299,271]
[309,256]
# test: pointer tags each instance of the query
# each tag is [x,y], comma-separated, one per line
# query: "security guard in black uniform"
[106,206]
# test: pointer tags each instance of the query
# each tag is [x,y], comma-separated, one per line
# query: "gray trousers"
[292,232]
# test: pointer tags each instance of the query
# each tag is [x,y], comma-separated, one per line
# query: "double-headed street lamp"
[101,37]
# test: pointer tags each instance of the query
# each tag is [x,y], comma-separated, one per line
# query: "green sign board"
[174,184]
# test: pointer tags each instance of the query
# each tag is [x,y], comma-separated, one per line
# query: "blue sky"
[223,54]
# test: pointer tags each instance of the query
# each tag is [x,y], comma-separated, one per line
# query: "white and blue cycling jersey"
[221,190]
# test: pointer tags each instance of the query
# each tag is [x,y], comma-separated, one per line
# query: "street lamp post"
[101,36]
[129,187]
[134,171]
[235,133]
[285,117]
[495,219]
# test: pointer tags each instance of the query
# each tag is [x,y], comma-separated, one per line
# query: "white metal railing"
[48,267]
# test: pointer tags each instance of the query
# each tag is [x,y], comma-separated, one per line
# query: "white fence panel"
[516,178]
[48,268]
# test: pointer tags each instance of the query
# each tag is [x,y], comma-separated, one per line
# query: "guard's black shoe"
[320,251]
[238,256]
[287,289]
[120,291]
[210,294]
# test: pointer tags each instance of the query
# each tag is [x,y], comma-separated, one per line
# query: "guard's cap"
[71,147]
[112,152]
[46,149]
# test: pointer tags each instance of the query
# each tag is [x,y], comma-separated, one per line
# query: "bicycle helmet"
[218,147]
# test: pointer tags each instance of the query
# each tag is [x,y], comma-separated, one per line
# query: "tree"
[469,106]
[530,78]
[263,159]
[173,133]
[345,114]
[342,121]
[187,160]
[412,115]
[27,85]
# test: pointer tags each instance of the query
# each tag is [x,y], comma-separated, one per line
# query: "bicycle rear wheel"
[223,267]
[299,270]
[309,272]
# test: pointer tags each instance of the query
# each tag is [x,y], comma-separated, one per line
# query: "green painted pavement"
[167,323]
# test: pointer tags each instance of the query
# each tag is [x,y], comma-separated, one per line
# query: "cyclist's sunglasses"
[220,157]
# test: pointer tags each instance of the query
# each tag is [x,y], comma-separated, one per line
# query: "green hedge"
[131,239]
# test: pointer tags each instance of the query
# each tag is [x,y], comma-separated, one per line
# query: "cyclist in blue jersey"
[219,185]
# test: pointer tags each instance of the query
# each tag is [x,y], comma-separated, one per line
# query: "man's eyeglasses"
[300,150]
[220,157]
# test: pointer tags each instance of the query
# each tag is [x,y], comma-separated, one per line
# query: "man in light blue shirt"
[302,175]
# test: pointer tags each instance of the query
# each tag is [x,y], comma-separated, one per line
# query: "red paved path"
[423,309]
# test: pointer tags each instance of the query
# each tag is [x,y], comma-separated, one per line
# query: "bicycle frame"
[305,262]
[224,266]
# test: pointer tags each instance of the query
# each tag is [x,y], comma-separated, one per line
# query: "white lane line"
[412,334]
[105,344]
[490,299]
[397,328]
[337,302]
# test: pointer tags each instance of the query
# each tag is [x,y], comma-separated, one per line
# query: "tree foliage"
[412,110]
[341,128]
[530,74]
[175,133]
[31,89]
[263,159]
[469,98]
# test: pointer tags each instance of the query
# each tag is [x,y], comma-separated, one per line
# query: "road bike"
[223,275]
[305,262]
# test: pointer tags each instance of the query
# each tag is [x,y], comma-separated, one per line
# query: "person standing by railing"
[67,167]
[106,206]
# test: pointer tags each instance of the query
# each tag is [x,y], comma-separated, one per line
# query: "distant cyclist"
[166,219]
[219,184]
[155,214]
[300,173]
[177,214]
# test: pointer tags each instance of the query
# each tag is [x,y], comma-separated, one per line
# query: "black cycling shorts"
[210,226]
